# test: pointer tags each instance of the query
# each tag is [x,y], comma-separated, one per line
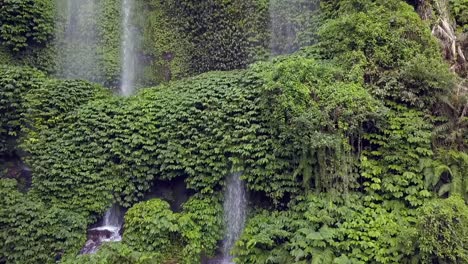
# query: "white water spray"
[235,213]
[128,50]
[109,231]
[291,25]
[77,40]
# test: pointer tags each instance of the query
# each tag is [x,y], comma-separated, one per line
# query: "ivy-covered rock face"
[353,149]
[25,23]
[201,129]
[31,102]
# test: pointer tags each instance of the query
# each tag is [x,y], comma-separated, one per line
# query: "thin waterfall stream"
[77,40]
[108,231]
[235,213]
[128,50]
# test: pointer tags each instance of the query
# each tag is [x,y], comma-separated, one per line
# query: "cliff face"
[448,30]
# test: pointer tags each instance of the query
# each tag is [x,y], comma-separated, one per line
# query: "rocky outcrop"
[455,46]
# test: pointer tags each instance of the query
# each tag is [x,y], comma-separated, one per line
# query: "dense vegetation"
[353,148]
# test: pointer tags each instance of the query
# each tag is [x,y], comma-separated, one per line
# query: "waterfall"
[283,35]
[291,24]
[235,213]
[76,40]
[128,50]
[109,231]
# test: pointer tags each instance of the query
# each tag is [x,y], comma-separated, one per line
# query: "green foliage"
[108,27]
[223,33]
[297,124]
[151,226]
[292,24]
[30,101]
[447,175]
[116,253]
[15,82]
[47,104]
[335,228]
[264,238]
[183,129]
[400,59]
[34,232]
[390,165]
[452,119]
[443,231]
[164,44]
[319,111]
[459,11]
[201,227]
[26,23]
[329,228]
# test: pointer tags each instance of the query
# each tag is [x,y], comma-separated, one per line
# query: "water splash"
[128,50]
[77,40]
[109,231]
[235,213]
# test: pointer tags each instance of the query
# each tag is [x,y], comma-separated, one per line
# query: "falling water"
[76,40]
[235,212]
[283,35]
[109,231]
[128,50]
[291,24]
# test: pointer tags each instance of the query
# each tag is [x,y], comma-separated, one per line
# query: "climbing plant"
[443,231]
[26,23]
[390,165]
[34,232]
[15,82]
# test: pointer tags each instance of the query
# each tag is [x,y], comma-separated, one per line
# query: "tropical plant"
[452,128]
[448,174]
[390,163]
[443,231]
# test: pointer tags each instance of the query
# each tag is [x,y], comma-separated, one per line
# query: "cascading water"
[235,213]
[76,40]
[283,35]
[109,231]
[291,24]
[128,50]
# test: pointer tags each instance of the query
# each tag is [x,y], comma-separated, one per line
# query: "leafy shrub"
[447,174]
[391,164]
[343,229]
[25,23]
[443,231]
[116,253]
[30,101]
[201,227]
[46,105]
[329,228]
[459,11]
[401,60]
[265,238]
[318,111]
[34,232]
[14,83]
[151,226]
